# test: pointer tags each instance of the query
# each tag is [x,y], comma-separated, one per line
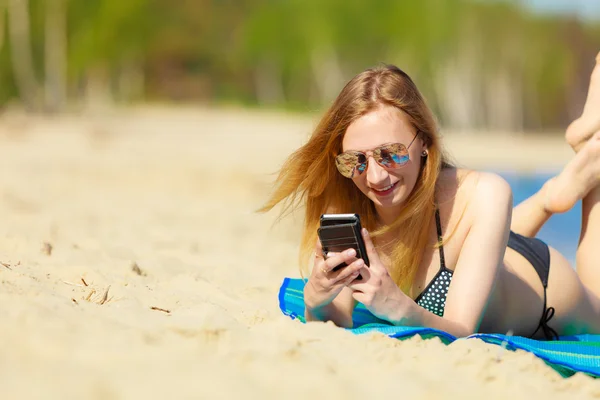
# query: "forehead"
[384,125]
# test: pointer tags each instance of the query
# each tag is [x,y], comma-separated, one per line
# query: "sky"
[586,9]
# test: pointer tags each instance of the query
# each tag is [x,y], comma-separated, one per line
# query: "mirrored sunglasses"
[352,163]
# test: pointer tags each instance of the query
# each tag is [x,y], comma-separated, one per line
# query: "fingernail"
[351,252]
[365,231]
[360,262]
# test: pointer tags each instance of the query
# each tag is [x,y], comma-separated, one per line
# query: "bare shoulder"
[488,191]
[491,190]
[474,192]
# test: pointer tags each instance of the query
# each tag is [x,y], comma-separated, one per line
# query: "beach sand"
[134,266]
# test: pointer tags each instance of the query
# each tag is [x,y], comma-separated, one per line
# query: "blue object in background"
[562,230]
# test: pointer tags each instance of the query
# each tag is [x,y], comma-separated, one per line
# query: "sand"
[134,266]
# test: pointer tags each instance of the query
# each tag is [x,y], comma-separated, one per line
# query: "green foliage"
[280,52]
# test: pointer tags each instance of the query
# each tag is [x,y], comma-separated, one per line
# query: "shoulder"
[492,189]
[476,192]
[468,182]
[488,194]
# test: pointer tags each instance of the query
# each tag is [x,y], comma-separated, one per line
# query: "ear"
[424,144]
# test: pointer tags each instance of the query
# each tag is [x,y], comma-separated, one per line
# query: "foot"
[576,180]
[582,129]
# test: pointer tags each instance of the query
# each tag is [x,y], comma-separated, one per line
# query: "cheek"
[361,183]
[409,174]
[412,174]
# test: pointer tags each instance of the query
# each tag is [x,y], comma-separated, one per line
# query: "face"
[387,188]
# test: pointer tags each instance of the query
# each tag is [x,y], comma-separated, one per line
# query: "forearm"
[418,316]
[330,312]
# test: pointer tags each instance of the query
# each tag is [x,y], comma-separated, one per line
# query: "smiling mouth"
[386,190]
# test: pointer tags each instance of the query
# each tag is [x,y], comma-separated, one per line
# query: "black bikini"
[433,297]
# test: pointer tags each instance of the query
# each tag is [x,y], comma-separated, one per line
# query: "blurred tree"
[22,59]
[55,55]
[107,38]
[480,64]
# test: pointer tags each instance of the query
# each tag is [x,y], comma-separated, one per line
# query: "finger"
[347,260]
[352,269]
[320,268]
[361,285]
[318,248]
[349,279]
[347,257]
[370,247]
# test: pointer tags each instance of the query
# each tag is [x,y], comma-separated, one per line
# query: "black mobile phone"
[339,232]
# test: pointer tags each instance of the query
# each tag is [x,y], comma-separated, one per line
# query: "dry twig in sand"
[84,282]
[9,264]
[89,296]
[72,284]
[160,309]
[104,298]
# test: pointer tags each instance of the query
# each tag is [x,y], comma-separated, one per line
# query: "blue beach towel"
[570,354]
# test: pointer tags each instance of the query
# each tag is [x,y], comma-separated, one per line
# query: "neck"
[387,215]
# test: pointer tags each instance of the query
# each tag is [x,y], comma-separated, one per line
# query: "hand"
[377,290]
[324,284]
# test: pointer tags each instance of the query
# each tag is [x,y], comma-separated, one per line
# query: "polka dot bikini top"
[433,297]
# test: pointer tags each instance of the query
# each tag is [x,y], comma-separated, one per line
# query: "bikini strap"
[549,333]
[440,238]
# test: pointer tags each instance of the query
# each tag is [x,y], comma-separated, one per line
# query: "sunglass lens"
[346,163]
[393,156]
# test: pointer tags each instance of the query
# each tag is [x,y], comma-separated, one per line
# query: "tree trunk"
[130,82]
[55,55]
[2,23]
[22,60]
[269,83]
[98,92]
[327,71]
[505,103]
[456,83]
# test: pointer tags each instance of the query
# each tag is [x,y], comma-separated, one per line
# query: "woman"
[446,249]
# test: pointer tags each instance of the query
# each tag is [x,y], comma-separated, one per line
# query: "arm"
[339,311]
[480,259]
[326,295]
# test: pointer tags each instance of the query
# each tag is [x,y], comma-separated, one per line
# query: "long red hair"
[309,176]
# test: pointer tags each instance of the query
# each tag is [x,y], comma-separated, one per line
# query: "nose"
[376,174]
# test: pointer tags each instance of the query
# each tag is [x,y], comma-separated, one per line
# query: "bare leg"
[580,130]
[576,297]
[576,294]
[530,215]
[581,180]
[588,256]
[559,194]
[579,177]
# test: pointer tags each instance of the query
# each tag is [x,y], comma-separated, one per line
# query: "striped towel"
[570,354]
